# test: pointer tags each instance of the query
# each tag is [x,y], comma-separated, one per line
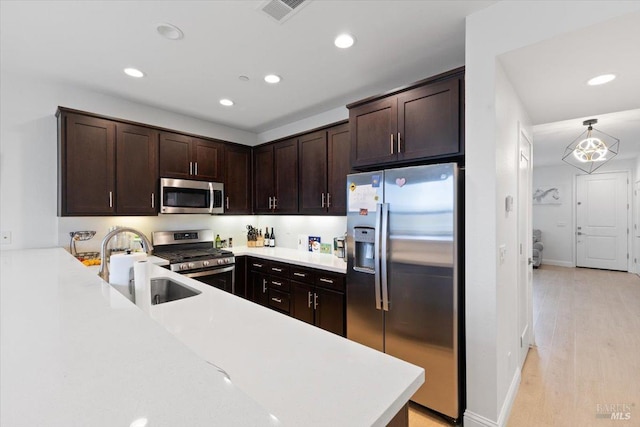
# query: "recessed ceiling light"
[272,78]
[133,72]
[344,41]
[243,78]
[169,31]
[600,80]
[226,102]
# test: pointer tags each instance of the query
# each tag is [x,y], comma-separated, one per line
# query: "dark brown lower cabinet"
[317,306]
[259,288]
[311,295]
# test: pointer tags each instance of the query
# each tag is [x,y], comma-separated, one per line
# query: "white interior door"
[525,267]
[601,221]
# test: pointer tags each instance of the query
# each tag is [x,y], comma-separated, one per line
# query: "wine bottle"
[272,239]
[267,237]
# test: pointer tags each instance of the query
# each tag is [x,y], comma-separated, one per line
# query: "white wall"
[557,222]
[319,120]
[503,27]
[511,119]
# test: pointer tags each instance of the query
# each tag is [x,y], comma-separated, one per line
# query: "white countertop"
[76,352]
[328,262]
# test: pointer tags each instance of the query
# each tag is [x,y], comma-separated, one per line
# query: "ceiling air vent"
[281,10]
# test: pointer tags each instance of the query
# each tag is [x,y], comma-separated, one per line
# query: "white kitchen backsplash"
[287,228]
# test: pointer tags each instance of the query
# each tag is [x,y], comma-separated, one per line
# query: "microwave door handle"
[377,256]
[212,194]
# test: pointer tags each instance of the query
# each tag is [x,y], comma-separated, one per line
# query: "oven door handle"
[210,272]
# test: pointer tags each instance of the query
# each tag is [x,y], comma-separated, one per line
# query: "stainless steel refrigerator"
[403,290]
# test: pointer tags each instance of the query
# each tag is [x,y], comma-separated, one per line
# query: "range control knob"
[220,261]
[205,263]
[183,266]
[191,265]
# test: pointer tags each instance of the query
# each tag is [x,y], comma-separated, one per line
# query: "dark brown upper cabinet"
[409,126]
[136,170]
[324,165]
[187,157]
[275,171]
[237,179]
[105,167]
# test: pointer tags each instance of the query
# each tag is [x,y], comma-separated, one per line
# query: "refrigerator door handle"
[377,256]
[383,259]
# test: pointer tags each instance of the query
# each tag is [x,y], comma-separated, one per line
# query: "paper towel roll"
[142,284]
[120,266]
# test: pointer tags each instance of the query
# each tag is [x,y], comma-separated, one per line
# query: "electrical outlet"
[6,237]
[502,252]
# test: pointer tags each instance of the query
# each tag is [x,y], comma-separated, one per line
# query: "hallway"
[587,354]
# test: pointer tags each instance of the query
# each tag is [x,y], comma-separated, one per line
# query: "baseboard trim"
[471,419]
[558,263]
[510,398]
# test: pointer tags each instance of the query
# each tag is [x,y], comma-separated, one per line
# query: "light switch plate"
[303,242]
[502,249]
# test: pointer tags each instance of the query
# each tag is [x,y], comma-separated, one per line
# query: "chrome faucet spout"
[104,268]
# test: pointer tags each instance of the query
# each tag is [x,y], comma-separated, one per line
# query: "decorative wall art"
[547,196]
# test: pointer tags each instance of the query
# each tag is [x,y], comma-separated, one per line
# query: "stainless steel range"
[191,253]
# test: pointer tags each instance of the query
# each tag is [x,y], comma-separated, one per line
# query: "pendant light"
[591,149]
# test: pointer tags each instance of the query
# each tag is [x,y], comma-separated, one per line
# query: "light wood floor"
[587,331]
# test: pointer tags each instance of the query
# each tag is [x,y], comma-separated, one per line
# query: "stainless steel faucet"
[104,268]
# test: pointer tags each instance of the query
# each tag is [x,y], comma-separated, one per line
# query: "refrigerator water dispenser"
[364,249]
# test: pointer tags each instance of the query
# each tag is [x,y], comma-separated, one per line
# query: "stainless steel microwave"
[185,196]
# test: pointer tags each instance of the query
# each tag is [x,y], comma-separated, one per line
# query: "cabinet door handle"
[276,283]
[399,151]
[328,200]
[309,304]
[110,199]
[279,270]
[275,203]
[391,143]
[257,265]
[322,279]
[300,274]
[264,286]
[269,202]
[315,301]
[323,200]
[227,202]
[278,300]
[196,168]
[153,200]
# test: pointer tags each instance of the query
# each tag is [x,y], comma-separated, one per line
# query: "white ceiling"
[88,43]
[550,78]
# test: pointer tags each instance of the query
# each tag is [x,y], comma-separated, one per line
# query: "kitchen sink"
[164,289]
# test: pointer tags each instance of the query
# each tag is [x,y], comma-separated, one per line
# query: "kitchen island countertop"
[77,352]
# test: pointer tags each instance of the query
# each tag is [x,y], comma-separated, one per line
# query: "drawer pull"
[315,301]
[309,304]
[278,300]
[279,270]
[276,283]
[257,265]
[264,286]
[322,279]
[300,274]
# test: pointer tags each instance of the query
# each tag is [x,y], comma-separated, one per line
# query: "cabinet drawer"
[301,274]
[279,300]
[279,284]
[257,264]
[279,269]
[330,280]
